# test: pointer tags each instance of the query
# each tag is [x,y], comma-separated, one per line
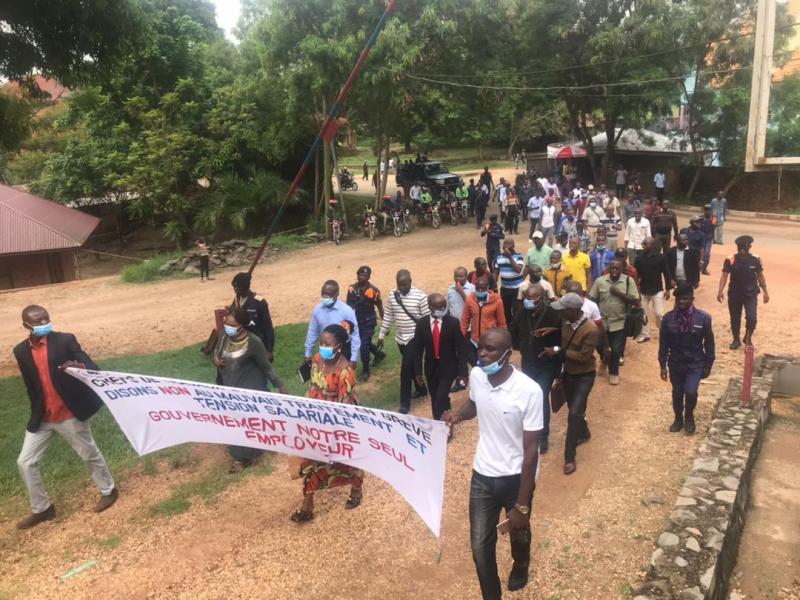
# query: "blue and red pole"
[328,129]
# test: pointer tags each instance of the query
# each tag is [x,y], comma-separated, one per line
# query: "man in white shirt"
[415,193]
[535,204]
[637,230]
[660,180]
[458,292]
[404,307]
[509,408]
[548,218]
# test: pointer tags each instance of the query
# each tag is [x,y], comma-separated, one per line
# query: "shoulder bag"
[635,316]
[558,395]
[403,306]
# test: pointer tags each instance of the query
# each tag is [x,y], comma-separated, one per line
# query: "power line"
[610,61]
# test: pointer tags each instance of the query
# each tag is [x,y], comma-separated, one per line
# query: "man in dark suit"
[59,404]
[438,337]
[683,262]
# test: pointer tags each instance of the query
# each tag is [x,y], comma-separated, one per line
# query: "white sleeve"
[533,409]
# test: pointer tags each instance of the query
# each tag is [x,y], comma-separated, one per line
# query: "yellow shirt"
[557,279]
[577,266]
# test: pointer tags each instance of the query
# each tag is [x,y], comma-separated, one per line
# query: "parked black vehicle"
[434,174]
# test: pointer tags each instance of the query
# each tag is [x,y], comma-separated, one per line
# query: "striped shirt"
[509,278]
[416,302]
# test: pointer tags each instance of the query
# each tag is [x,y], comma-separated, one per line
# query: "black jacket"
[691,264]
[260,319]
[453,349]
[79,399]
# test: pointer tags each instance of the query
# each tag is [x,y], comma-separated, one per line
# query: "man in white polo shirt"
[509,407]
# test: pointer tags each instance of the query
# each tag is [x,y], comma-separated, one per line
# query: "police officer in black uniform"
[258,309]
[364,298]
[747,277]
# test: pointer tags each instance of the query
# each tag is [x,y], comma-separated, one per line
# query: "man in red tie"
[438,339]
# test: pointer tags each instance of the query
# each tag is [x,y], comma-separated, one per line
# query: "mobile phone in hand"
[504,527]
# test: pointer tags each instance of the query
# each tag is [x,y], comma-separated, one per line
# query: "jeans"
[487,497]
[78,435]
[657,300]
[707,253]
[738,302]
[577,389]
[407,375]
[685,380]
[543,375]
[616,339]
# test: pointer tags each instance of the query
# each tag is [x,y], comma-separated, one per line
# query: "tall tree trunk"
[316,200]
[338,183]
[695,180]
[733,180]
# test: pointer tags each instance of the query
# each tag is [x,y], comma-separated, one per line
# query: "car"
[433,174]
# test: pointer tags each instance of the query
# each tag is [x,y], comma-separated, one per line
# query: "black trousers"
[577,389]
[543,375]
[738,302]
[685,380]
[534,223]
[407,376]
[511,220]
[439,389]
[488,496]
[662,241]
[620,191]
[480,213]
[491,254]
[509,297]
[617,341]
[204,267]
[366,329]
[660,195]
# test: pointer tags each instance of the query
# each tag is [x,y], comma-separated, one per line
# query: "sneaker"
[106,501]
[33,519]
[677,425]
[613,379]
[640,339]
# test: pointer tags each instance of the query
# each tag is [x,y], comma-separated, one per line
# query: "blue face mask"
[328,302]
[231,331]
[530,304]
[438,314]
[42,330]
[481,295]
[495,366]
[326,352]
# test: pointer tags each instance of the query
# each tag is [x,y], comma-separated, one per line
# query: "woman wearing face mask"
[242,361]
[333,379]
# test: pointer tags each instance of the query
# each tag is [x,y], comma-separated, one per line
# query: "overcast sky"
[227,15]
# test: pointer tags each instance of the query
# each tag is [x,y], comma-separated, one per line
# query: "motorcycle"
[370,226]
[430,214]
[347,183]
[397,222]
[463,210]
[336,231]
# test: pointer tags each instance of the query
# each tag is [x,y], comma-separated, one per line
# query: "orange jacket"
[479,318]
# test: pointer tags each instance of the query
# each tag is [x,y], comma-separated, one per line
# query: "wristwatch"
[523,510]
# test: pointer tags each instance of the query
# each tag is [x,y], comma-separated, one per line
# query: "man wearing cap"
[719,212]
[579,337]
[697,239]
[258,309]
[685,355]
[747,278]
[539,254]
[364,298]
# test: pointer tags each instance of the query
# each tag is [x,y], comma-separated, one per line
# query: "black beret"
[744,240]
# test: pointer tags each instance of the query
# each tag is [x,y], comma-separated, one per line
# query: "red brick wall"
[29,270]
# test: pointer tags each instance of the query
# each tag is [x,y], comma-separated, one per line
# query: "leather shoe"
[107,501]
[403,410]
[570,468]
[735,344]
[677,425]
[583,440]
[518,578]
[33,519]
[363,377]
[379,356]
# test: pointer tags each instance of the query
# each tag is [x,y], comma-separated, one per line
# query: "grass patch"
[108,543]
[64,472]
[148,270]
[285,241]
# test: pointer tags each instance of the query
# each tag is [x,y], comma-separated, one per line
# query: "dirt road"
[592,533]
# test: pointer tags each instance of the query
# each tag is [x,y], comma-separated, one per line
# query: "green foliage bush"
[145,271]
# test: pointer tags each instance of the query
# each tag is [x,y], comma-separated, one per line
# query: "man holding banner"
[509,408]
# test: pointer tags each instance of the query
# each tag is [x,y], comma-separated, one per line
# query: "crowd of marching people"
[598,274]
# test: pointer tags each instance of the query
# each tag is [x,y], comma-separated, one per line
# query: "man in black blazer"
[445,361]
[690,271]
[59,404]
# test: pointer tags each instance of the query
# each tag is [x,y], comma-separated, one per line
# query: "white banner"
[407,452]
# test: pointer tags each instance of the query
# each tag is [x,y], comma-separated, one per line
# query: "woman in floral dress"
[333,380]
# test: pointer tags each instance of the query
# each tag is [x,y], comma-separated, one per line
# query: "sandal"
[302,516]
[354,500]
